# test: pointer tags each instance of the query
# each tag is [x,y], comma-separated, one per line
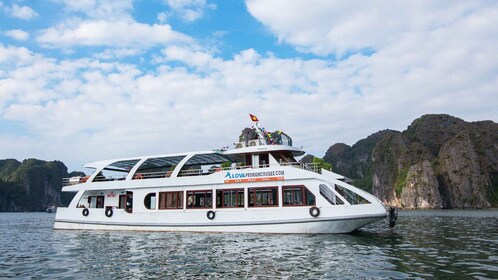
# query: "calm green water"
[424,244]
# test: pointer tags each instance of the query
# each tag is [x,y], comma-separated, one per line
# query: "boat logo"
[240,177]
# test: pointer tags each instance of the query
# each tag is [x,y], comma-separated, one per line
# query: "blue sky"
[88,80]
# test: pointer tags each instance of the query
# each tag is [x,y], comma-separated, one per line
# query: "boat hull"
[337,224]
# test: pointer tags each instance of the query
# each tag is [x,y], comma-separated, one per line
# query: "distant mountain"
[32,185]
[439,161]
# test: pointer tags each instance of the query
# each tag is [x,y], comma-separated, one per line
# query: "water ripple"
[424,244]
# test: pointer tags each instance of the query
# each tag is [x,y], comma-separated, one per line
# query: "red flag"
[254,118]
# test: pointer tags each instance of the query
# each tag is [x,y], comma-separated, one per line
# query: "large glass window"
[200,199]
[96,201]
[150,201]
[329,195]
[263,197]
[297,196]
[171,200]
[352,197]
[230,198]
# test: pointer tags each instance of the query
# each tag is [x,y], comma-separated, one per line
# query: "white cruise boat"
[256,187]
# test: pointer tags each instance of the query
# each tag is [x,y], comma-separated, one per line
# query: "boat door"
[264,160]
[129,202]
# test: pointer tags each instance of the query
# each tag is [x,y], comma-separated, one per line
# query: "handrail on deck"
[313,167]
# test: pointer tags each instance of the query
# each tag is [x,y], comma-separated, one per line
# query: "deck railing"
[313,167]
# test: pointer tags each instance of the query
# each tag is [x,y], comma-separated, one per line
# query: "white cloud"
[120,34]
[329,26]
[17,34]
[162,17]
[189,10]
[22,12]
[117,53]
[82,110]
[111,10]
[111,109]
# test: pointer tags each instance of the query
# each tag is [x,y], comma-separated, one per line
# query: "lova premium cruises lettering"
[272,175]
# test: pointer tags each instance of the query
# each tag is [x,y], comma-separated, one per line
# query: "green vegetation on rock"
[320,163]
[32,185]
[400,181]
[462,163]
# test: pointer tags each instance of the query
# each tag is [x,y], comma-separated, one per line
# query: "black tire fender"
[108,212]
[314,211]
[211,214]
[85,212]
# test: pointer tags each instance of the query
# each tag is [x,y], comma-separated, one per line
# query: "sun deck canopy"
[211,158]
[122,166]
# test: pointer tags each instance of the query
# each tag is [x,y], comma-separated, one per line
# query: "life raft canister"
[314,212]
[210,214]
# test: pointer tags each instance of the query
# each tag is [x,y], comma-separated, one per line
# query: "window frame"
[149,196]
[251,193]
[239,192]
[99,201]
[304,196]
[179,201]
[122,201]
[192,192]
[335,199]
[350,196]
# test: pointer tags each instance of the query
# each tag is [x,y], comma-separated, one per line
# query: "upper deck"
[256,148]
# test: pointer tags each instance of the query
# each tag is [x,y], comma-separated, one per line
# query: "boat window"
[205,164]
[122,201]
[264,160]
[297,196]
[263,197]
[159,167]
[230,198]
[200,199]
[248,159]
[116,171]
[129,202]
[150,201]
[284,158]
[329,195]
[286,140]
[352,197]
[171,200]
[96,201]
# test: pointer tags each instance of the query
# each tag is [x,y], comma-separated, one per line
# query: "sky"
[86,80]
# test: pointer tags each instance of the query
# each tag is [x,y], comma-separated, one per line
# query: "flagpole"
[259,131]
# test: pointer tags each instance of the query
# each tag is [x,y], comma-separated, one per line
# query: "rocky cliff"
[31,185]
[439,161]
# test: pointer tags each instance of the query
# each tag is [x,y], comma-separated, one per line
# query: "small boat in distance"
[258,186]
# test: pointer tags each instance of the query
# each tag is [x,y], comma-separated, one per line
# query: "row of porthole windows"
[232,198]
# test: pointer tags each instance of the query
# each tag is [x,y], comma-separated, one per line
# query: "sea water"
[444,244]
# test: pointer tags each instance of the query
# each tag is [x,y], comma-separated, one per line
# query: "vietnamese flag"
[254,118]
